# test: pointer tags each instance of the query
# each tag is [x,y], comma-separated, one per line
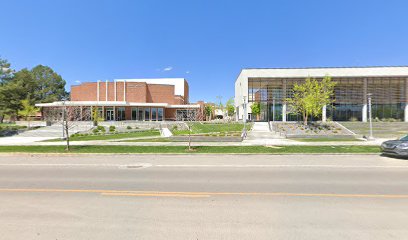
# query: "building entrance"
[109,115]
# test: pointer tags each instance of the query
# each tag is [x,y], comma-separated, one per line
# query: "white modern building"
[387,86]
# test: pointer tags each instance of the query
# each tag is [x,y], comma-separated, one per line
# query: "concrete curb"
[85,154]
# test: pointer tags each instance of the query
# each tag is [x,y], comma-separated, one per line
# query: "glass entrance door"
[274,111]
[109,115]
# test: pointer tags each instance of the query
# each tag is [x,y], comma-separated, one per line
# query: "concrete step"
[260,130]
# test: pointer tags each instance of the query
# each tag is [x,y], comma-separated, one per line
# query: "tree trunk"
[305,118]
[67,136]
[189,138]
[1,118]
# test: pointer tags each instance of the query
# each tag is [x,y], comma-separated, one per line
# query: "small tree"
[28,110]
[96,118]
[188,117]
[67,116]
[310,97]
[256,109]
[208,110]
[230,107]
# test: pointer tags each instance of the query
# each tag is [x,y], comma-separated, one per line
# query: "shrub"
[95,130]
[112,129]
[100,128]
[128,127]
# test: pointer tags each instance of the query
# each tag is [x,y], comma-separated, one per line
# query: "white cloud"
[169,68]
[187,72]
[78,82]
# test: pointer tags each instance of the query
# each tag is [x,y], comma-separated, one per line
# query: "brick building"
[132,99]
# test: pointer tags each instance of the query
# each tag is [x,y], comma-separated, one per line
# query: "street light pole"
[273,111]
[63,118]
[370,137]
[245,110]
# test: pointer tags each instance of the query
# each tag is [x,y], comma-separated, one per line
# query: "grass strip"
[198,149]
[326,139]
[208,128]
[110,136]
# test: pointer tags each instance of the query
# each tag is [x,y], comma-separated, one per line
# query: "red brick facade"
[138,92]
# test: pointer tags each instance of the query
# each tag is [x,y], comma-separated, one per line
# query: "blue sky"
[207,42]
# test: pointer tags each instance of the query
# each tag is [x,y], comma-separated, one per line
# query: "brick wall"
[158,93]
[135,92]
[186,93]
[84,92]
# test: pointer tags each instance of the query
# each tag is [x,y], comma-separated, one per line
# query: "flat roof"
[383,71]
[114,103]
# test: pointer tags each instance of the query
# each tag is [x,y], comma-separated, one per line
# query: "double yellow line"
[200,194]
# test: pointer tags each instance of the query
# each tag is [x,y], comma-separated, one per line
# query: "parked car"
[397,148]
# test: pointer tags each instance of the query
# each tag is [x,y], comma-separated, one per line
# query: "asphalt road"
[203,197]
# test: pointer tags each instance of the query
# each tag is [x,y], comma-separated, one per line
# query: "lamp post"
[63,117]
[370,137]
[245,114]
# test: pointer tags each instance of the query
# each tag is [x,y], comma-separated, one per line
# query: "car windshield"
[405,138]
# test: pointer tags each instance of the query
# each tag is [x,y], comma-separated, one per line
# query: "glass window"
[147,114]
[154,114]
[121,114]
[100,112]
[140,114]
[134,113]
[160,114]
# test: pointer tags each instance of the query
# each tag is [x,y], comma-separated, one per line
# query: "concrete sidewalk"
[261,142]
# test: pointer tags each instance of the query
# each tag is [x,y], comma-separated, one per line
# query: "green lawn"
[159,139]
[150,133]
[327,139]
[380,129]
[206,128]
[201,149]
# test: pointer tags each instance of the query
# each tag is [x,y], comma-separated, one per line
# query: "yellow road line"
[155,195]
[200,194]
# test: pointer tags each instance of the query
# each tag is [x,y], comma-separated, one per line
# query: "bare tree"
[67,116]
[188,116]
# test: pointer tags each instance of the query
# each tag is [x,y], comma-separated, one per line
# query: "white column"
[284,86]
[324,116]
[106,96]
[364,110]
[124,90]
[364,113]
[406,112]
[114,113]
[97,90]
[406,101]
[115,89]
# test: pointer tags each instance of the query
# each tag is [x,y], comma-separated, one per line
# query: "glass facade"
[388,98]
[160,114]
[120,114]
[154,114]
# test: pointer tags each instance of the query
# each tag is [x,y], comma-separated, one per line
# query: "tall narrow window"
[154,114]
[121,114]
[140,114]
[147,114]
[134,113]
[160,114]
